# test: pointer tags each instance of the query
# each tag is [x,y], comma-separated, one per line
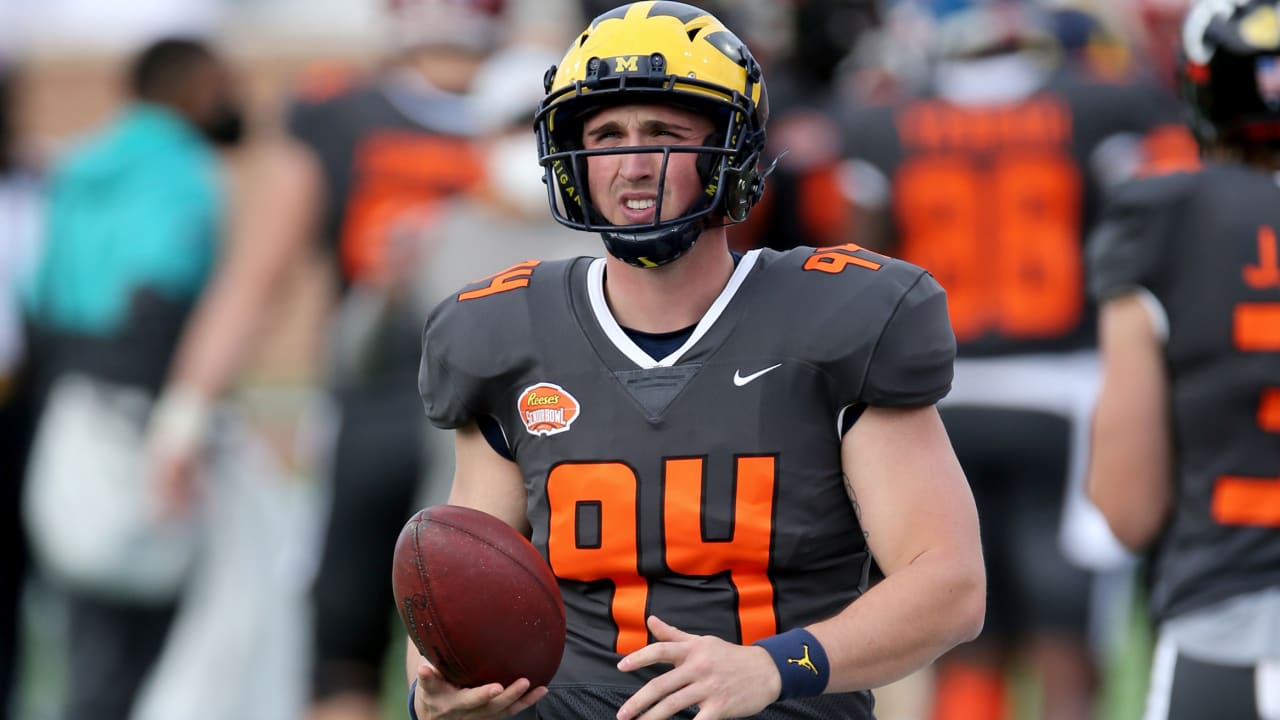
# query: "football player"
[1186,446]
[990,181]
[732,463]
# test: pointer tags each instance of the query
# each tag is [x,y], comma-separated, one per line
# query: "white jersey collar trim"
[620,339]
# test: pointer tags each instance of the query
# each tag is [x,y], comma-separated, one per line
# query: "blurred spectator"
[370,169]
[20,218]
[1186,443]
[1158,28]
[890,63]
[1089,43]
[134,218]
[990,181]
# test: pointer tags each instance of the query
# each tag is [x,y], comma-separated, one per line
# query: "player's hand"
[722,679]
[174,449]
[436,699]
[174,481]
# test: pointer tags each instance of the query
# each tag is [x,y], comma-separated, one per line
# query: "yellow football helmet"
[665,53]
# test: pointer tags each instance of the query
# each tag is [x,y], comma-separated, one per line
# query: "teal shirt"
[139,204]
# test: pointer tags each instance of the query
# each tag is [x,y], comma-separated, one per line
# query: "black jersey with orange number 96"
[1204,246]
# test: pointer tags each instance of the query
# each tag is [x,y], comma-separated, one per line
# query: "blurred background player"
[135,214]
[391,151]
[990,180]
[1186,445]
[21,217]
[370,169]
[505,221]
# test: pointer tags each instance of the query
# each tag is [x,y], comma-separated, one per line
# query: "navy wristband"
[802,663]
[413,688]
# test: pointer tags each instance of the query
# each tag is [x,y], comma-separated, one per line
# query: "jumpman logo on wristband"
[804,662]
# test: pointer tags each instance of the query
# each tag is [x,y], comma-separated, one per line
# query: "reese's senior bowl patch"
[547,409]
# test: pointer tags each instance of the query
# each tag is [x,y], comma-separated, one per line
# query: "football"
[477,598]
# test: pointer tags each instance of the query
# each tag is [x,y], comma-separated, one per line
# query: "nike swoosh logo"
[739,379]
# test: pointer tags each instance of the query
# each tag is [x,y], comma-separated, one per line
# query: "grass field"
[44,673]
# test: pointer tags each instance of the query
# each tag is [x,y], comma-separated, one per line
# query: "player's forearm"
[1129,468]
[904,622]
[267,240]
[216,341]
[207,361]
[1128,480]
[1130,463]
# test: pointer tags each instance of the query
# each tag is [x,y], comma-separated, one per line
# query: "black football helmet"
[1230,70]
[664,53]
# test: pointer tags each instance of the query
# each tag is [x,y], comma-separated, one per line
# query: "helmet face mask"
[655,53]
[1230,70]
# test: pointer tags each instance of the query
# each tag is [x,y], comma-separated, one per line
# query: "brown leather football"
[477,598]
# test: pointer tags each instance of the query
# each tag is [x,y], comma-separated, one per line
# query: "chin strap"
[654,248]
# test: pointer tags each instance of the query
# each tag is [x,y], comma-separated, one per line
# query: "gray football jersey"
[1204,245]
[704,487]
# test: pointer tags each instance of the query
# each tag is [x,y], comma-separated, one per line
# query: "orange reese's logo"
[547,409]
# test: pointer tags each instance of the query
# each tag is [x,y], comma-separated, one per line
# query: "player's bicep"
[908,489]
[484,480]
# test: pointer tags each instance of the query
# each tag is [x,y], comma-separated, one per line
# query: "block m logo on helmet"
[625,64]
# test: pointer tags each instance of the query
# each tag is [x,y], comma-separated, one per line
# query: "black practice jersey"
[389,156]
[704,487]
[996,199]
[1204,245]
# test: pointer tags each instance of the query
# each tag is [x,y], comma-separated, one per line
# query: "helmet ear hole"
[740,193]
